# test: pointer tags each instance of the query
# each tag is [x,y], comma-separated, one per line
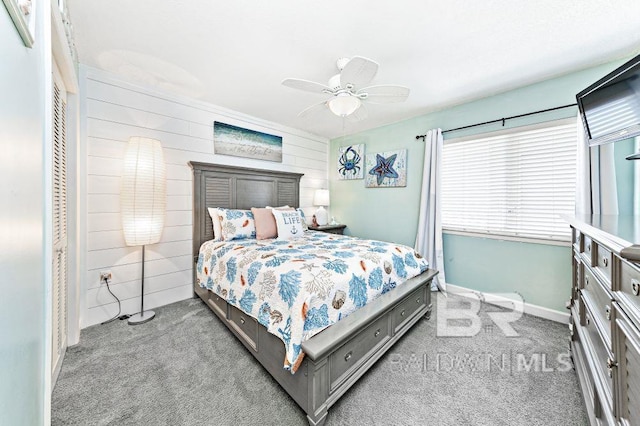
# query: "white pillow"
[217,227]
[289,224]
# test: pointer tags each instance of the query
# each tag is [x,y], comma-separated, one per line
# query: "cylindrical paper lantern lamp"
[143,201]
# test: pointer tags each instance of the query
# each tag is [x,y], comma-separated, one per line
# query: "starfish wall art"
[386,169]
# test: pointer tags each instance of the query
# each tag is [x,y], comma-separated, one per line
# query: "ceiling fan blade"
[313,109]
[358,115]
[358,72]
[306,85]
[385,94]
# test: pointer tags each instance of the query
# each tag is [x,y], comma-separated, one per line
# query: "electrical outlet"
[105,275]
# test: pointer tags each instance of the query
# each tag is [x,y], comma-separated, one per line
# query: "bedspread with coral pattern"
[296,288]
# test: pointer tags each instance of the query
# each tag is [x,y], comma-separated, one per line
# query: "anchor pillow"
[289,223]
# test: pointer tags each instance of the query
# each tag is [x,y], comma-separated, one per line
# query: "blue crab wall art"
[351,162]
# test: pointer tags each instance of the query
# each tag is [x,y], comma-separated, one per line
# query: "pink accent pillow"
[265,223]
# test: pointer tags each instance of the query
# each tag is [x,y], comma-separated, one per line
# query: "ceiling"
[236,53]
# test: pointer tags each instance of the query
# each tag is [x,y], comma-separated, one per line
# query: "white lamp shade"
[344,104]
[143,194]
[321,197]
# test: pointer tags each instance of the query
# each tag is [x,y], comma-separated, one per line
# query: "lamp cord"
[106,281]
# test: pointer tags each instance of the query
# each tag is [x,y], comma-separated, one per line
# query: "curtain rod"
[500,120]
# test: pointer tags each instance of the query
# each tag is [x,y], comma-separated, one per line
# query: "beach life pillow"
[289,224]
[217,228]
[236,224]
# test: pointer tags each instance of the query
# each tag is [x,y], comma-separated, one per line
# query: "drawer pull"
[586,281]
[610,366]
[347,357]
[402,313]
[607,311]
[241,320]
[635,287]
[605,262]
[588,320]
[418,300]
[377,333]
[589,248]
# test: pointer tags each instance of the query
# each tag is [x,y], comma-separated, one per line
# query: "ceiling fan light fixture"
[344,104]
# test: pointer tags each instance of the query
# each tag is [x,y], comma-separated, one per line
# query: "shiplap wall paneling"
[115,111]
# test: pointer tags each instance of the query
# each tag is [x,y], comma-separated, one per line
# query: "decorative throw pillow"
[289,224]
[217,228]
[305,226]
[265,223]
[236,224]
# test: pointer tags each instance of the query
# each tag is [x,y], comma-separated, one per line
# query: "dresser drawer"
[577,240]
[244,324]
[598,301]
[630,286]
[344,361]
[581,366]
[602,260]
[600,358]
[407,308]
[628,354]
[587,248]
[576,278]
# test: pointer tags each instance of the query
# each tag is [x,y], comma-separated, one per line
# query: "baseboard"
[535,310]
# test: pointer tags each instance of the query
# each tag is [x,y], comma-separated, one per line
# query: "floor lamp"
[143,201]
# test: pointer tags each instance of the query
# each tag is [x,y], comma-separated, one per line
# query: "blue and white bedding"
[296,288]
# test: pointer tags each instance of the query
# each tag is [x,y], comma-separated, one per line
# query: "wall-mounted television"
[610,107]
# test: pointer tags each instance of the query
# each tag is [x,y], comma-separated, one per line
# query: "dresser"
[605,316]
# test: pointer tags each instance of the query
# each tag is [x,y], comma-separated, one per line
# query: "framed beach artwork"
[386,169]
[351,162]
[240,142]
[22,13]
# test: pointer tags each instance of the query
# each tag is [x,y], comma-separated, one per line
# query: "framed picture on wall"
[241,142]
[386,169]
[22,13]
[351,162]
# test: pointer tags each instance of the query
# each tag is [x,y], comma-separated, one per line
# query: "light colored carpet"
[186,368]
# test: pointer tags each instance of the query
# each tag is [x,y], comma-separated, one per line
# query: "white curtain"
[429,237]
[596,187]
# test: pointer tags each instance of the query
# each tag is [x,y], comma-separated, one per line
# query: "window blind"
[513,183]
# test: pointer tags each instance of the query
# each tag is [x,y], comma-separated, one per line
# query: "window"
[512,183]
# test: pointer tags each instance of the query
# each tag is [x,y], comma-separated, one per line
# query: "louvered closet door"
[59,191]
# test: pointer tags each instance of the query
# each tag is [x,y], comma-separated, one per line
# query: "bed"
[335,358]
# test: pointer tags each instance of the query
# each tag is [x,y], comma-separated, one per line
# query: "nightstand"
[331,229]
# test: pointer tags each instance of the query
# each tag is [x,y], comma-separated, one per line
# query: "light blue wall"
[541,273]
[624,175]
[22,228]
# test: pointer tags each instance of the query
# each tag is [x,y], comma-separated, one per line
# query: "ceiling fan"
[346,90]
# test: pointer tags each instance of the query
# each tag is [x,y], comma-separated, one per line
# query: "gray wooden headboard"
[231,187]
